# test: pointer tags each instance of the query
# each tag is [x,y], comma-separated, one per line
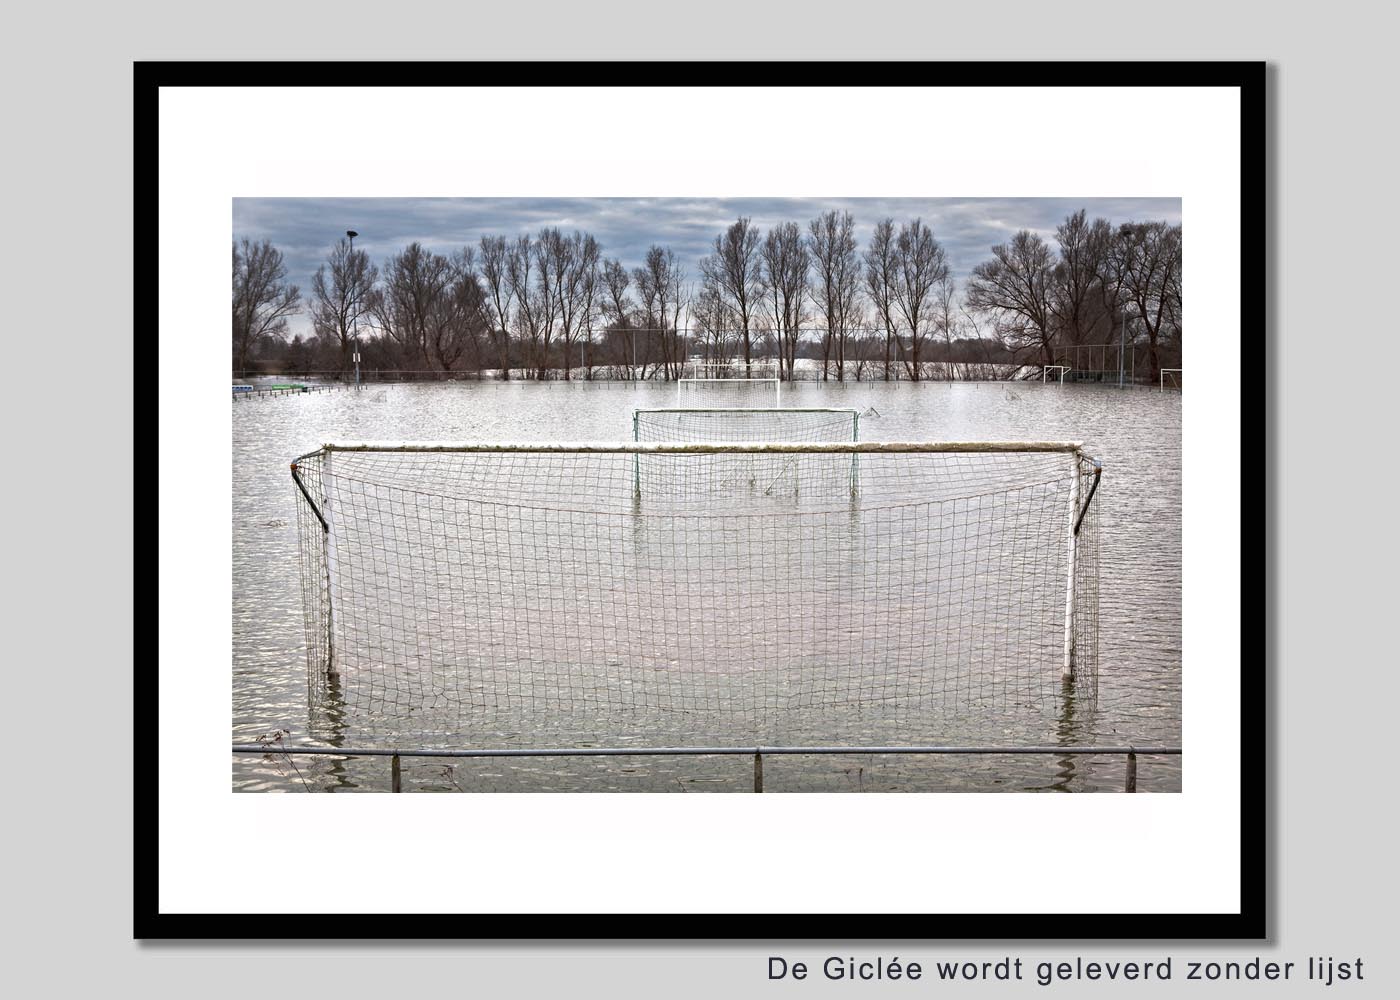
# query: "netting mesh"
[754,474]
[739,425]
[727,392]
[737,368]
[675,595]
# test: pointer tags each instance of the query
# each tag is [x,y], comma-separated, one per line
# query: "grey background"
[1331,414]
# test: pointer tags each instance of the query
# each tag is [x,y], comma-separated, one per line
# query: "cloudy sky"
[305,229]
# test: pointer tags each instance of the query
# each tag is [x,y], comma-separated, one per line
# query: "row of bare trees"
[1043,298]
[537,304]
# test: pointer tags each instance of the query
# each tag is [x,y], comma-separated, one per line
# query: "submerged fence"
[1130,753]
[1128,363]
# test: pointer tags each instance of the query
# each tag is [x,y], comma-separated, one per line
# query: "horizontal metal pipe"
[845,410]
[697,751]
[627,448]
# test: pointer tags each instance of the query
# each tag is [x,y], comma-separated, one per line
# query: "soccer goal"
[1169,378]
[831,474]
[738,368]
[1051,372]
[523,595]
[745,425]
[728,393]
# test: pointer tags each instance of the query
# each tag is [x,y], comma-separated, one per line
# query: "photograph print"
[707,494]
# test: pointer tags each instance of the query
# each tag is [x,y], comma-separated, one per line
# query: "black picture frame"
[1249,78]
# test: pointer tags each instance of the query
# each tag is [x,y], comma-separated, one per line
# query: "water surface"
[1135,433]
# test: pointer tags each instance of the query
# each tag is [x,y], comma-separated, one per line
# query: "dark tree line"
[551,304]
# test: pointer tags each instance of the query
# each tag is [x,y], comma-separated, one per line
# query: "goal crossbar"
[628,448]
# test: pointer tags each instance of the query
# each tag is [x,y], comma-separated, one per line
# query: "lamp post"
[355,318]
[1122,344]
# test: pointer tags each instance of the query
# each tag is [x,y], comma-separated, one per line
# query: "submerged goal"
[533,594]
[735,368]
[728,393]
[754,473]
[739,425]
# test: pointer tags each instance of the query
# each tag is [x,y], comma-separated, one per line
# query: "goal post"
[1169,378]
[1059,372]
[481,589]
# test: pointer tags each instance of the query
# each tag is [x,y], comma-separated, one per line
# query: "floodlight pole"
[1122,345]
[355,319]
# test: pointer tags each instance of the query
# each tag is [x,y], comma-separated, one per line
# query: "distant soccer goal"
[1050,373]
[713,393]
[524,595]
[1169,378]
[830,475]
[738,368]
[745,425]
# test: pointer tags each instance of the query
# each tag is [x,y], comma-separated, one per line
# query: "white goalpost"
[701,594]
[1045,371]
[1175,379]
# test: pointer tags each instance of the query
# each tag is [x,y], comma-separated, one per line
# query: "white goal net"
[724,425]
[715,594]
[714,393]
[737,368]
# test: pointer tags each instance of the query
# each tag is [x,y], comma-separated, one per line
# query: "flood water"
[1136,434]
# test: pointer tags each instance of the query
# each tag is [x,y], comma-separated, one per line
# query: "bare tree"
[920,264]
[835,283]
[458,321]
[1014,287]
[573,260]
[1149,260]
[1076,295]
[736,267]
[589,301]
[340,297]
[495,274]
[947,321]
[659,285]
[785,266]
[678,300]
[531,276]
[407,309]
[262,300]
[617,309]
[713,322]
[880,277]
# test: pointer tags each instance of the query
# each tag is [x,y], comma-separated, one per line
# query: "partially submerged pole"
[1071,556]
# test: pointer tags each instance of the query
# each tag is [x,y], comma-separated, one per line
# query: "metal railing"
[1131,753]
[247,392]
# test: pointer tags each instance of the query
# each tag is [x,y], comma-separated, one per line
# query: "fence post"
[1130,782]
[758,772]
[395,774]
